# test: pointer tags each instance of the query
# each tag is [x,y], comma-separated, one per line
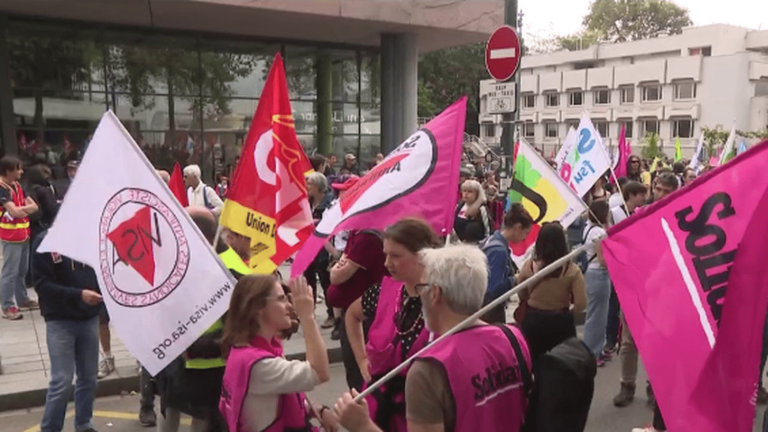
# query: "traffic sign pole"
[508,120]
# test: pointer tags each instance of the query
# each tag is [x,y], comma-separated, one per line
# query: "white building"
[711,76]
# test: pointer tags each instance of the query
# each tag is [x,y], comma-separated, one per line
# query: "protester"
[397,329]
[44,195]
[598,191]
[198,193]
[598,281]
[320,199]
[319,163]
[350,165]
[222,186]
[330,169]
[439,390]
[164,175]
[689,175]
[549,319]
[636,172]
[70,303]
[263,391]
[473,221]
[502,270]
[14,235]
[615,199]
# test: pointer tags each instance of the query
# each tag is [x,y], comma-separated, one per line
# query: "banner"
[728,151]
[543,193]
[586,160]
[267,201]
[419,178]
[625,151]
[571,139]
[177,186]
[696,160]
[161,281]
[688,276]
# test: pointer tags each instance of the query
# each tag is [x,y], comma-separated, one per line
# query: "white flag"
[695,163]
[586,160]
[161,281]
[566,148]
[728,147]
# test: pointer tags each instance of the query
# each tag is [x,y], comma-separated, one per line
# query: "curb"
[124,381]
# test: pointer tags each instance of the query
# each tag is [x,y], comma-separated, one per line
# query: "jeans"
[15,264]
[598,298]
[73,347]
[612,329]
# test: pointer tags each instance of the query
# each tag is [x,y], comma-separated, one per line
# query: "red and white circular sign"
[502,53]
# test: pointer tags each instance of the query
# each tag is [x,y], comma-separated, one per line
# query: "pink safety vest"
[485,378]
[384,355]
[291,408]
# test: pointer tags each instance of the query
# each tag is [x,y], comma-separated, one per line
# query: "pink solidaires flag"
[691,277]
[625,151]
[419,179]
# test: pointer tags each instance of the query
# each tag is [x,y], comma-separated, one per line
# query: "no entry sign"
[502,53]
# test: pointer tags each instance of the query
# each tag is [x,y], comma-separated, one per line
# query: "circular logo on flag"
[143,252]
[403,171]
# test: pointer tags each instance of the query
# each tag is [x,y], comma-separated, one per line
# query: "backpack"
[562,392]
[582,260]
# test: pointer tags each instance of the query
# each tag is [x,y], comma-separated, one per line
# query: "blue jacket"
[500,265]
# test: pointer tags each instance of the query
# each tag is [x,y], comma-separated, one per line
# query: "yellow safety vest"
[233,262]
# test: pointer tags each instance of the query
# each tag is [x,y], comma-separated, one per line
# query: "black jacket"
[59,282]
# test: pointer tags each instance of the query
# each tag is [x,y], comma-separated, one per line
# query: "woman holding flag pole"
[397,329]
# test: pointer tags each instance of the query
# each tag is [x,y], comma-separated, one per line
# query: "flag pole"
[503,298]
[216,237]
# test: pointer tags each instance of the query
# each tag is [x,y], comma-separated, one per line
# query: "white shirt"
[618,214]
[196,198]
[615,200]
[591,232]
[271,378]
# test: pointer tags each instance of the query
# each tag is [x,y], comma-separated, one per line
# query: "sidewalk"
[25,365]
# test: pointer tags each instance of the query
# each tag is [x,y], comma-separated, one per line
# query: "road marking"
[502,53]
[114,415]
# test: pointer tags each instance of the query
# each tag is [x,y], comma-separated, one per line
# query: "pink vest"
[484,376]
[291,410]
[383,355]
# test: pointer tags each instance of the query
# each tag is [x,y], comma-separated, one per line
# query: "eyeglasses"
[422,288]
[282,298]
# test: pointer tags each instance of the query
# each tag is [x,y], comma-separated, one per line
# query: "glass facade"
[188,98]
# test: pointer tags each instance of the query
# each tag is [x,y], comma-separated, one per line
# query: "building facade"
[712,76]
[185,76]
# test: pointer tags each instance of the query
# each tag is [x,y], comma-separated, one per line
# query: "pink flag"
[418,179]
[624,152]
[689,275]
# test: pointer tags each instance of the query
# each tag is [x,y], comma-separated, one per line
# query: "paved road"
[119,414]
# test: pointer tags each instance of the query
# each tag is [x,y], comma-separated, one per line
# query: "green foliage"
[578,41]
[715,138]
[651,147]
[628,20]
[447,75]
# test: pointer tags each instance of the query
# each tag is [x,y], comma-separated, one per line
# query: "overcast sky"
[559,17]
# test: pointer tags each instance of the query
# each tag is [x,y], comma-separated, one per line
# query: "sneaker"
[646,429]
[30,304]
[762,396]
[625,396]
[606,356]
[600,362]
[12,313]
[106,367]
[147,417]
[650,395]
[335,334]
[328,323]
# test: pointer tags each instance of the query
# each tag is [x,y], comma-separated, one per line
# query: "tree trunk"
[39,120]
[171,109]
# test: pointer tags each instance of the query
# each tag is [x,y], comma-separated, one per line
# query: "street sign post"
[502,53]
[501,99]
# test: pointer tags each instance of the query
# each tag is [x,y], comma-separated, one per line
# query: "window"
[529,101]
[576,98]
[703,51]
[550,130]
[552,99]
[572,124]
[685,90]
[651,92]
[682,128]
[489,130]
[650,126]
[602,127]
[602,97]
[629,125]
[627,94]
[528,129]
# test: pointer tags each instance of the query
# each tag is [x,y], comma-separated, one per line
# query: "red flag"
[624,152]
[268,198]
[177,186]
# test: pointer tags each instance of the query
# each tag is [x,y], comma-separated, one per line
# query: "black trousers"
[354,377]
[612,329]
[658,420]
[318,271]
[545,330]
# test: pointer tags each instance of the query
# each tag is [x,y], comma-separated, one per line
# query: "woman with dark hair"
[261,390]
[42,191]
[598,281]
[549,318]
[397,329]
[636,172]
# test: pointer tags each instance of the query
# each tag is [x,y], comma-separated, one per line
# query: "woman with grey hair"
[473,221]
[447,388]
[320,198]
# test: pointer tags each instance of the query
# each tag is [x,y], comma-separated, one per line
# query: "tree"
[578,41]
[628,20]
[651,147]
[447,75]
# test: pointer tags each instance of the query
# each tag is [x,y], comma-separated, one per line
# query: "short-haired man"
[442,389]
[14,235]
[501,276]
[635,195]
[198,193]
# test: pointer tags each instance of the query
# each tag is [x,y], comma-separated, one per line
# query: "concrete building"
[185,76]
[711,76]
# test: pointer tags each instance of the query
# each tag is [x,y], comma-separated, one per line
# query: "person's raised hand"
[303,300]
